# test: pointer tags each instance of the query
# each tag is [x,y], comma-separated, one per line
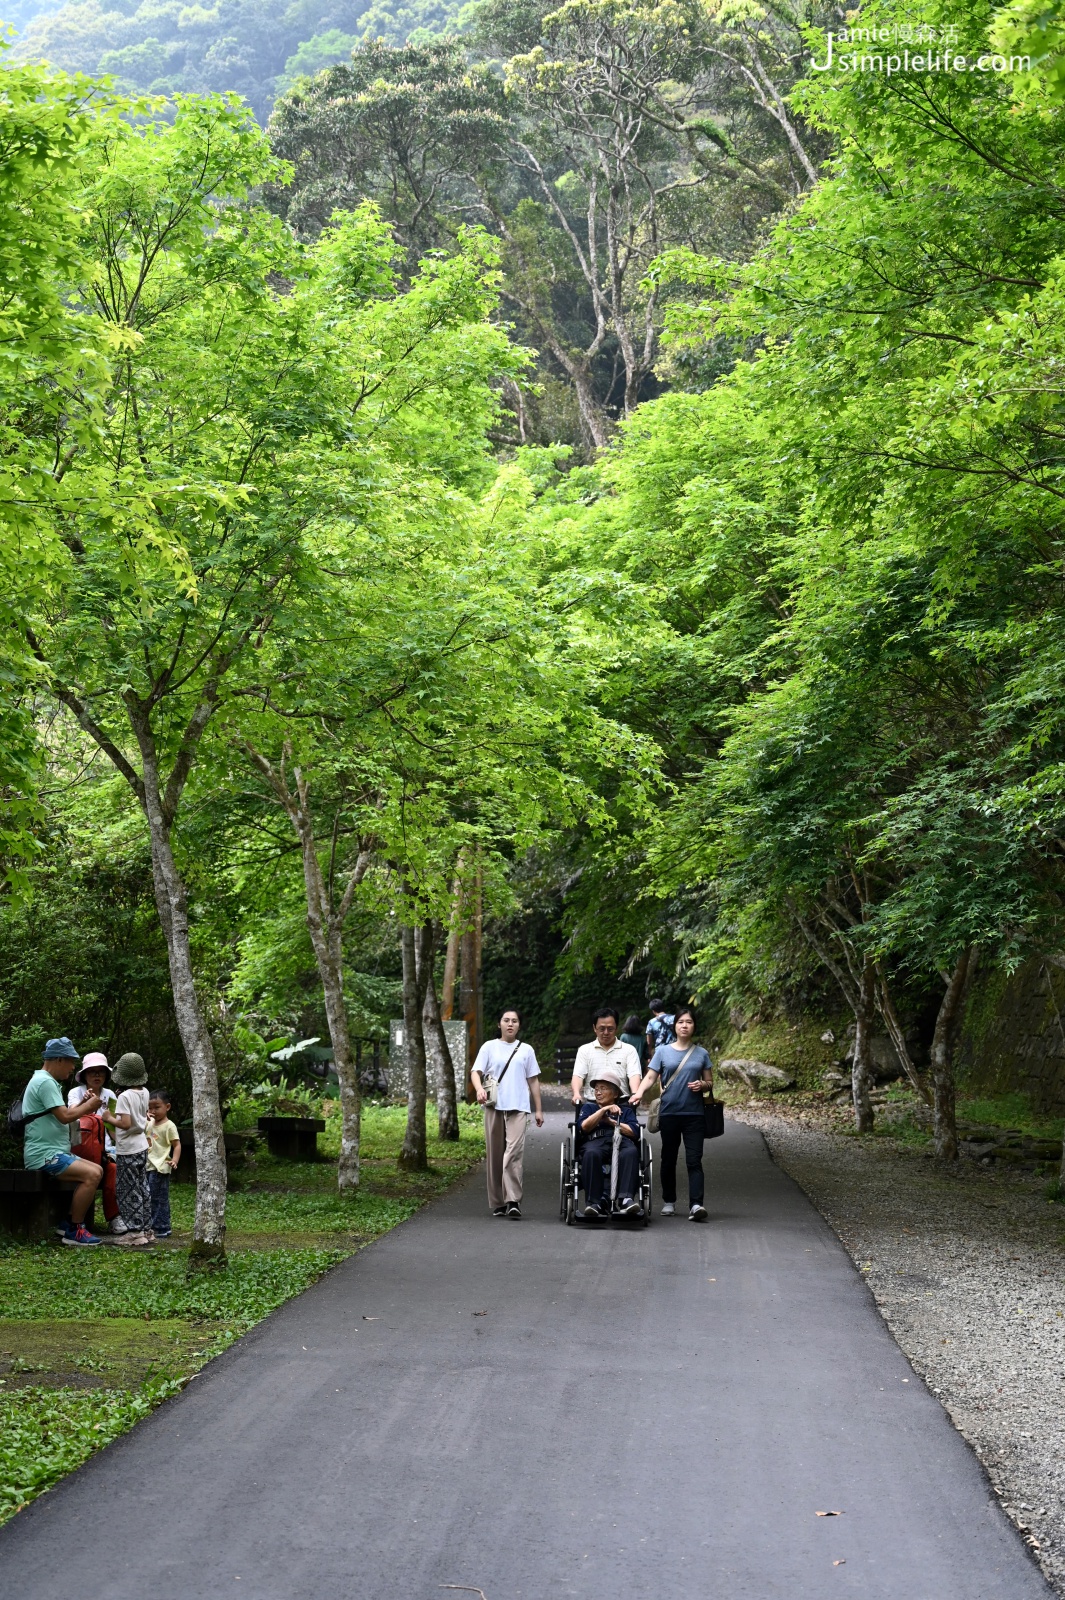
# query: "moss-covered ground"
[800,1048]
[92,1340]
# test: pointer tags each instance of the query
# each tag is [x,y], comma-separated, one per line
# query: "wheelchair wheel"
[563,1186]
[646,1180]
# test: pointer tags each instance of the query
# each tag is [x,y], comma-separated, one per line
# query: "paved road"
[651,1415]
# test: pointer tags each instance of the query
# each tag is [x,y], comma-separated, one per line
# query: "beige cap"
[607,1075]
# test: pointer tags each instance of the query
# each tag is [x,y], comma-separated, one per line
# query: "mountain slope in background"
[255,47]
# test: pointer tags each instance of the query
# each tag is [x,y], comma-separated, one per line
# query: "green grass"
[1002,1113]
[46,1433]
[1010,1111]
[91,1341]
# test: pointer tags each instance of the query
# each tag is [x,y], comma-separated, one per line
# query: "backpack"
[16,1121]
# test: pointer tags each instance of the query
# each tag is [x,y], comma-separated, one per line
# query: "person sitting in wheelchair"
[596,1124]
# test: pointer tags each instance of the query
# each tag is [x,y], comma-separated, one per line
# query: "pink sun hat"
[95,1058]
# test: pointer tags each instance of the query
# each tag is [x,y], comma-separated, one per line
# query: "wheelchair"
[569,1185]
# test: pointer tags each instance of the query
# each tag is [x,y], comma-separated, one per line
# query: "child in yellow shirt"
[164,1153]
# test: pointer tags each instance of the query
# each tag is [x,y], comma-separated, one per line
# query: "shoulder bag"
[491,1085]
[656,1109]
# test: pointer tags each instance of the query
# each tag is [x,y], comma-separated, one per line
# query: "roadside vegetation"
[90,1342]
[561,505]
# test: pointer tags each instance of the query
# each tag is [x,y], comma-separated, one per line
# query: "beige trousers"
[504,1137]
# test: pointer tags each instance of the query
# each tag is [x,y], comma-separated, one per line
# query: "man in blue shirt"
[660,1029]
[597,1124]
[47,1135]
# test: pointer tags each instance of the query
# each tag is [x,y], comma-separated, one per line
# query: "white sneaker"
[669,1209]
[697,1214]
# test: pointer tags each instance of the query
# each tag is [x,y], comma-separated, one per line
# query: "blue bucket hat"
[59,1050]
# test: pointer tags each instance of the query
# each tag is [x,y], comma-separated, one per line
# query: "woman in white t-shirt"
[513,1067]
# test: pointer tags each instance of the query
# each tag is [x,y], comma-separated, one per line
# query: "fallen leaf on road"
[828,1513]
[478,1313]
[842,1563]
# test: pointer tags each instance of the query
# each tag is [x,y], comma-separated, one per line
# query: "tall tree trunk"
[1057,962]
[944,1113]
[898,1038]
[326,927]
[413,1155]
[437,1047]
[862,1066]
[594,421]
[209,1227]
[329,956]
[451,955]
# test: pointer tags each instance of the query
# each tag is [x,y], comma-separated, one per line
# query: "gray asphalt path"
[538,1412]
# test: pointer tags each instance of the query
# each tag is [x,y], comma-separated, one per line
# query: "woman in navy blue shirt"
[687,1074]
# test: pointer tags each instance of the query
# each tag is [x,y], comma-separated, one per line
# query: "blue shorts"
[56,1165]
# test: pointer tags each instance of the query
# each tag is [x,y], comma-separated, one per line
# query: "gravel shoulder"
[968,1271]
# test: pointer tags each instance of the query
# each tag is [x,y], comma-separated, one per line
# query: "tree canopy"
[746,665]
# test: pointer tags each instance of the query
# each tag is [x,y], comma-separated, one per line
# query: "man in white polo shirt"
[605,1050]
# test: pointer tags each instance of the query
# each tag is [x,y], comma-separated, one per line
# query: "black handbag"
[714,1118]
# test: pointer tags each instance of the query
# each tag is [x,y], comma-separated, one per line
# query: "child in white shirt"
[129,1120]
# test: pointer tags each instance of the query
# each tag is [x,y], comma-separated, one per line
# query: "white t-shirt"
[132,1103]
[621,1056]
[107,1099]
[493,1056]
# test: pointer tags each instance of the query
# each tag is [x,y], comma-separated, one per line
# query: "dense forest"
[254,48]
[588,473]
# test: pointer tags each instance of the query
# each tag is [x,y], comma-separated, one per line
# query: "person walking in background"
[164,1153]
[605,1050]
[687,1075]
[633,1034]
[130,1120]
[505,1075]
[46,1123]
[660,1029]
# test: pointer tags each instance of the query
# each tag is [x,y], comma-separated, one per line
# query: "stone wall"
[1013,1034]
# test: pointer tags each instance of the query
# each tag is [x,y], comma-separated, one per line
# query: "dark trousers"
[595,1170]
[693,1131]
[159,1189]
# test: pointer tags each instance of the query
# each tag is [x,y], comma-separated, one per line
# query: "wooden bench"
[239,1146]
[33,1205]
[293,1138]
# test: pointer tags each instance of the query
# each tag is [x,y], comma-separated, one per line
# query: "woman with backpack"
[687,1076]
[504,1076]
